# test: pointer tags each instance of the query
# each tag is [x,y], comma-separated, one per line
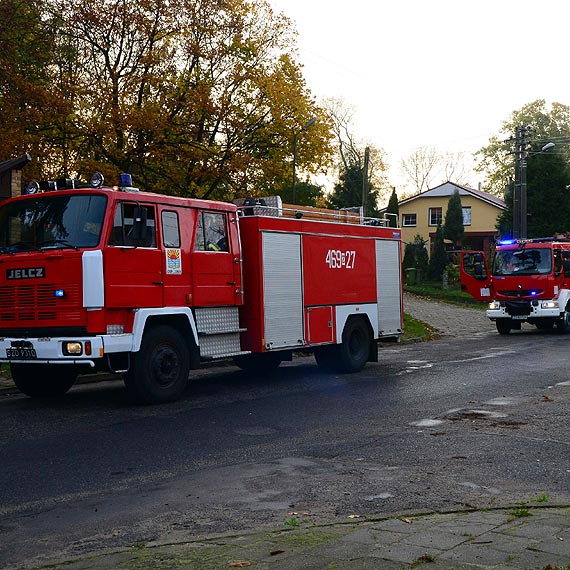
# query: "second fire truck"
[149,286]
[528,281]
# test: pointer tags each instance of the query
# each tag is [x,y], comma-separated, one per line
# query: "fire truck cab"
[147,285]
[528,281]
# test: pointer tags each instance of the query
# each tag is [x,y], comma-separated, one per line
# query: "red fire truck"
[529,282]
[97,278]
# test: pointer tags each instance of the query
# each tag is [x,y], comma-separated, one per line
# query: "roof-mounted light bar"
[96,181]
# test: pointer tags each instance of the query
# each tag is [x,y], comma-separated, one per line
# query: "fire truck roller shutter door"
[282,290]
[389,287]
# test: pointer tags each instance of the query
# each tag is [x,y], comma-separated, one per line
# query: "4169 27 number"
[337,259]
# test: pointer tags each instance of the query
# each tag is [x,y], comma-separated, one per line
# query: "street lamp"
[295,135]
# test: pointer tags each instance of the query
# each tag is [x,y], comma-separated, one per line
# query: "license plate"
[519,317]
[21,353]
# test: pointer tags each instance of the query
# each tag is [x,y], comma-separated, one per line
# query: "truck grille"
[23,303]
[515,308]
[521,292]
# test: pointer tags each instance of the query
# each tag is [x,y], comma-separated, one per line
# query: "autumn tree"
[197,101]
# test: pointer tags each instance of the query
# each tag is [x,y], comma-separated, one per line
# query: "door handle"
[158,282]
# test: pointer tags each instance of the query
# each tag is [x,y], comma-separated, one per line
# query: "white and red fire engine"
[147,285]
[529,282]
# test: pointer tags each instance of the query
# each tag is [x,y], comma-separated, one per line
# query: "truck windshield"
[527,261]
[51,221]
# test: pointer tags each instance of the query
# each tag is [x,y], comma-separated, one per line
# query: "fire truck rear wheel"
[355,348]
[43,381]
[159,371]
[503,326]
[352,354]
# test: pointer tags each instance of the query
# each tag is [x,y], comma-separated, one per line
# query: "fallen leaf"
[353,516]
[407,521]
[546,398]
[240,564]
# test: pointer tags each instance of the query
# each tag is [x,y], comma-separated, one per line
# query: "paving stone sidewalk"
[520,538]
[448,319]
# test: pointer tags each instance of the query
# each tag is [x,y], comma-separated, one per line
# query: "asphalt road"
[459,421]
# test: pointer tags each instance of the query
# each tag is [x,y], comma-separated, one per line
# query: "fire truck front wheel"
[38,381]
[563,323]
[159,371]
[504,326]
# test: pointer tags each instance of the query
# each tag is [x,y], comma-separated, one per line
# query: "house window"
[435,216]
[466,215]
[409,220]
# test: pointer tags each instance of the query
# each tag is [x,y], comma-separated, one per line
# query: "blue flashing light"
[125,180]
[59,293]
[533,293]
[507,242]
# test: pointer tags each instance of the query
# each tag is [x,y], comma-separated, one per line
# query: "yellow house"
[421,214]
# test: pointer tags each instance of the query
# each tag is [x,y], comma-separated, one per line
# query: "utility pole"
[519,193]
[365,179]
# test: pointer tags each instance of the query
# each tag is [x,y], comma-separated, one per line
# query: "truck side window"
[124,224]
[170,229]
[211,233]
[473,265]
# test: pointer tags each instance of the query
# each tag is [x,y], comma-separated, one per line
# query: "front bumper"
[51,350]
[536,312]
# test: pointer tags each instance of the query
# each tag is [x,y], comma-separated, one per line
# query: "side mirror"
[566,267]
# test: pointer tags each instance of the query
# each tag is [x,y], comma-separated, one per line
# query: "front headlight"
[494,305]
[550,305]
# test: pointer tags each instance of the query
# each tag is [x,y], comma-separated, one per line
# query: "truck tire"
[563,323]
[38,381]
[159,371]
[355,347]
[258,363]
[504,326]
[352,354]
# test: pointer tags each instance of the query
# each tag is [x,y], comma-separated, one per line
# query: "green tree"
[306,194]
[347,193]
[548,197]
[393,208]
[416,258]
[438,258]
[546,124]
[453,228]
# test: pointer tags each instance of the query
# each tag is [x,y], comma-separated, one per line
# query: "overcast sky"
[442,73]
